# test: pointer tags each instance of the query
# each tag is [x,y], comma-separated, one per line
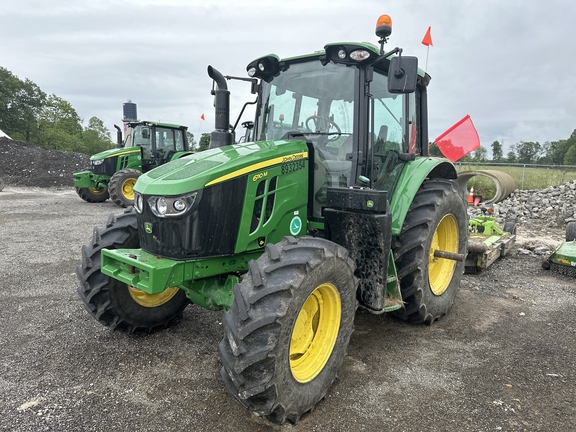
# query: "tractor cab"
[360,133]
[158,141]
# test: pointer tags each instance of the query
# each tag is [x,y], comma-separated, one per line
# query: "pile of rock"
[25,164]
[552,207]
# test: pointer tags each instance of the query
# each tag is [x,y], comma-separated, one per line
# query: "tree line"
[29,114]
[561,152]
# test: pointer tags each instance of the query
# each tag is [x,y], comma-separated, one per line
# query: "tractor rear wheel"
[437,220]
[93,195]
[121,186]
[116,304]
[287,331]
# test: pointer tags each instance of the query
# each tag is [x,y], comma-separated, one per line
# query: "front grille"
[108,167]
[209,229]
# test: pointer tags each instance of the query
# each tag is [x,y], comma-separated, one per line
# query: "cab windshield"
[313,102]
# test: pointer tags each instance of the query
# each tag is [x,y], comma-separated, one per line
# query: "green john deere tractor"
[336,204]
[113,173]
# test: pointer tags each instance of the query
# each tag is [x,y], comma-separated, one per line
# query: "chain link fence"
[526,176]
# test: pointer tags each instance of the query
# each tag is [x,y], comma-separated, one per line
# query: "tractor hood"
[218,165]
[114,152]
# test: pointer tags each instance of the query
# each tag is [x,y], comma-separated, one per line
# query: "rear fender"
[412,177]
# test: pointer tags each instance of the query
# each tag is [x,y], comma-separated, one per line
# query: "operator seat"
[340,169]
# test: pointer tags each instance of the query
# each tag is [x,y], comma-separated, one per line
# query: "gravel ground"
[504,358]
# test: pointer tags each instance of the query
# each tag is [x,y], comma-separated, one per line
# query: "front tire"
[113,303]
[437,220]
[121,186]
[287,331]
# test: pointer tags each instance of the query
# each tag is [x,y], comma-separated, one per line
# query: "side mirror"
[402,74]
[145,133]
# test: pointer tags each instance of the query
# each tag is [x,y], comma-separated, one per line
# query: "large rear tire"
[116,304]
[93,195]
[287,331]
[121,186]
[437,220]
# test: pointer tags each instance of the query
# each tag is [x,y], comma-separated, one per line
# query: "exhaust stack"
[119,143]
[221,136]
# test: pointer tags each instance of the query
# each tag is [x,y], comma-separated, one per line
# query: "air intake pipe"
[221,136]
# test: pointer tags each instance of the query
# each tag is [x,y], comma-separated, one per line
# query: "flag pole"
[427,41]
[202,118]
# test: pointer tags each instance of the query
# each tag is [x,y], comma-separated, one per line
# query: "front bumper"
[153,274]
[87,179]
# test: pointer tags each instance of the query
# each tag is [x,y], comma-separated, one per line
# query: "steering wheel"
[324,123]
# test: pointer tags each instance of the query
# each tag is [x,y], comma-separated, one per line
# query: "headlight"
[138,202]
[179,205]
[171,206]
[98,162]
[161,206]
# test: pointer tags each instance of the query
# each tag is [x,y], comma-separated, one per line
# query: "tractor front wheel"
[121,186]
[286,333]
[116,304]
[93,195]
[436,221]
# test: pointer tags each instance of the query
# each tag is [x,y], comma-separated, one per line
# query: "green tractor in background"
[336,204]
[146,145]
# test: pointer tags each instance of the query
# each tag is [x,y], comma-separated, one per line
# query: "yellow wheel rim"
[128,188]
[441,270]
[152,300]
[97,191]
[315,332]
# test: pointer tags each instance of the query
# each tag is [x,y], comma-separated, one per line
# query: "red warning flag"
[459,140]
[202,116]
[427,38]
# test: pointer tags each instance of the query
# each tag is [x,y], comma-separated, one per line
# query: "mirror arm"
[388,54]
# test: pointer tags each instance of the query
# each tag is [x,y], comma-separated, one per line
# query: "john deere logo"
[148,227]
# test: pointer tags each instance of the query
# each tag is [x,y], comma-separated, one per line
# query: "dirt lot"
[503,359]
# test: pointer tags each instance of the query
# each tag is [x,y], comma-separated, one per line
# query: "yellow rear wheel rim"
[441,270]
[128,188]
[152,300]
[315,332]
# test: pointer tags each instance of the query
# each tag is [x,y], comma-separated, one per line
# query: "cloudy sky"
[507,63]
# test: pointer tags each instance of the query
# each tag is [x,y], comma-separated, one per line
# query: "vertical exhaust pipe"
[118,136]
[221,136]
